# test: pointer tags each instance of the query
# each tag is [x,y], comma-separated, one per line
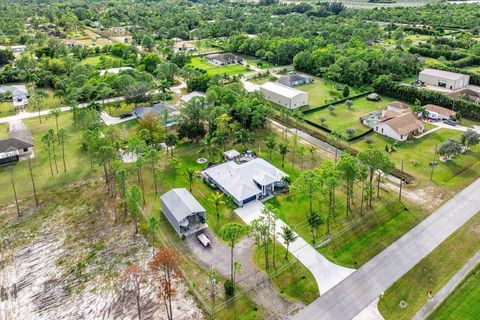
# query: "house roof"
[183,44]
[156,110]
[464,91]
[13,144]
[181,203]
[442,74]
[114,70]
[281,89]
[440,110]
[15,89]
[389,114]
[231,153]
[192,95]
[239,179]
[222,56]
[399,105]
[292,78]
[404,124]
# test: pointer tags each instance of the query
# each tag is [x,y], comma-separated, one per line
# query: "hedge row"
[286,122]
[448,54]
[386,86]
[465,62]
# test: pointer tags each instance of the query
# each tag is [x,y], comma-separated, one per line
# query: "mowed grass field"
[417,156]
[343,118]
[231,70]
[463,303]
[432,273]
[321,92]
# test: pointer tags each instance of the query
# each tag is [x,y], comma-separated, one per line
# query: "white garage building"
[444,79]
[283,95]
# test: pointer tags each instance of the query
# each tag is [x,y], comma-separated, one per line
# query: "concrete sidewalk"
[326,273]
[362,287]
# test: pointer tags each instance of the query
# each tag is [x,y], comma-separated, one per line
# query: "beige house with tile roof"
[399,127]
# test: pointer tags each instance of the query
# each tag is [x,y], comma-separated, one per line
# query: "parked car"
[202,237]
[449,122]
[126,115]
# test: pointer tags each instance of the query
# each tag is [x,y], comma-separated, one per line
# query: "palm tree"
[55,113]
[231,233]
[38,96]
[244,137]
[288,236]
[283,150]
[47,140]
[190,174]
[271,144]
[217,201]
[62,138]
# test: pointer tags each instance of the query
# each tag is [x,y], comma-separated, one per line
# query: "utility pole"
[433,163]
[213,281]
[401,185]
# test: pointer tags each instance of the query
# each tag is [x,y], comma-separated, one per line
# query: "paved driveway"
[361,288]
[326,273]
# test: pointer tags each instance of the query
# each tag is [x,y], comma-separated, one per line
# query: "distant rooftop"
[442,74]
[281,89]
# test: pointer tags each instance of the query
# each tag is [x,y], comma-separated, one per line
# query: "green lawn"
[232,70]
[463,303]
[295,282]
[321,92]
[431,273]
[342,118]
[418,155]
[473,68]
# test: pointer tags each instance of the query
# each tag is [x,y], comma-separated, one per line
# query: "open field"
[418,155]
[473,69]
[321,92]
[431,273]
[463,303]
[232,70]
[342,118]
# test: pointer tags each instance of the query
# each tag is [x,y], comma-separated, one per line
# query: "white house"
[399,127]
[246,178]
[114,70]
[19,94]
[183,46]
[183,211]
[186,98]
[283,95]
[439,113]
[444,79]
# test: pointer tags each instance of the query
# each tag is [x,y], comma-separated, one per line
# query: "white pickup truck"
[202,237]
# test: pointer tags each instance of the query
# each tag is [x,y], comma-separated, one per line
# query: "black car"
[126,115]
[449,122]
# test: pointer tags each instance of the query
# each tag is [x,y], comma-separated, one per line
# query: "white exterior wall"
[299,100]
[450,84]
[386,130]
[437,116]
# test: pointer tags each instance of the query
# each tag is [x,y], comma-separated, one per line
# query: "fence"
[313,109]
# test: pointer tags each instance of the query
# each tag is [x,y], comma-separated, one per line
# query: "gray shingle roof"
[290,79]
[13,144]
[181,203]
[156,110]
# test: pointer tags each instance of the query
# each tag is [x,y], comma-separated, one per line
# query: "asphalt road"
[356,292]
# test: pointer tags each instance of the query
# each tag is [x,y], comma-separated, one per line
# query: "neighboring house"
[186,98]
[73,43]
[283,95]
[18,49]
[18,145]
[397,106]
[114,70]
[157,110]
[246,178]
[19,94]
[439,113]
[444,79]
[399,127]
[183,46]
[183,211]
[469,93]
[294,80]
[223,59]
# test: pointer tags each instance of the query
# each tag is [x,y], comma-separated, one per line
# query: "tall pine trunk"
[33,181]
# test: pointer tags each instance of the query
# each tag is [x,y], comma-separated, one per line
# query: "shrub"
[229,288]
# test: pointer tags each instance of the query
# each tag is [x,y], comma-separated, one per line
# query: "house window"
[382,130]
[25,149]
[376,128]
[401,136]
[442,83]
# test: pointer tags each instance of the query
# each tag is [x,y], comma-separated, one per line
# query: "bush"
[448,54]
[229,288]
